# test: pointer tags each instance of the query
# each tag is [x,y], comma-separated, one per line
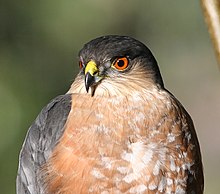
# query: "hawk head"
[114,64]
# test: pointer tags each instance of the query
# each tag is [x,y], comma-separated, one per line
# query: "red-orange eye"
[80,64]
[121,63]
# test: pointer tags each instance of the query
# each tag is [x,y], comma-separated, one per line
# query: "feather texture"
[39,143]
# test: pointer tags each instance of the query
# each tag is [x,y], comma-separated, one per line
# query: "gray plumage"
[40,141]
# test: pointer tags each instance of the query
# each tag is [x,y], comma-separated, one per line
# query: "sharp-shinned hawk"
[117,130]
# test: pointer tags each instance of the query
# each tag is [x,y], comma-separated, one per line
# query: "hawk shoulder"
[39,143]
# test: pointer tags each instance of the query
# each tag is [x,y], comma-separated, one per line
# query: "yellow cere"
[91,67]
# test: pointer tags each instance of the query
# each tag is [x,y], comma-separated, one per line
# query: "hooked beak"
[91,74]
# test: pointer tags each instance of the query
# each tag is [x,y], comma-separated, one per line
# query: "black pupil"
[121,63]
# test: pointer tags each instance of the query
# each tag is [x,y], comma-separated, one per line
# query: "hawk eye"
[121,63]
[80,64]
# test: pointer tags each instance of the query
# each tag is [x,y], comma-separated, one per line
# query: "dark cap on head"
[109,47]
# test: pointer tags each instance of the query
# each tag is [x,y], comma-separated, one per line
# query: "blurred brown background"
[39,41]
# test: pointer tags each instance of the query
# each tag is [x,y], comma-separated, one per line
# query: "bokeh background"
[39,42]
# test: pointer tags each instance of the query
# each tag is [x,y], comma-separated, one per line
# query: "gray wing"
[39,143]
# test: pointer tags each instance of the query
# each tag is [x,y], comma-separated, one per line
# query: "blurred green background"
[39,42]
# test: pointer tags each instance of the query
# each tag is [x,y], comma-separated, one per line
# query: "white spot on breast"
[97,174]
[152,186]
[106,162]
[126,156]
[123,170]
[159,124]
[130,177]
[162,184]
[147,157]
[139,158]
[99,116]
[138,189]
[170,137]
[180,190]
[187,166]
[188,136]
[185,154]
[169,181]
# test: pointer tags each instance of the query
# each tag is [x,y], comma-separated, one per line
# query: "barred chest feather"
[123,144]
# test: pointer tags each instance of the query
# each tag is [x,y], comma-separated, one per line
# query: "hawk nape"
[117,130]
